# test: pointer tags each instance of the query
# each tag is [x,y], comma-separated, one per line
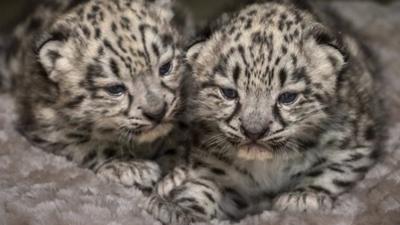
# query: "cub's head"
[266,80]
[117,66]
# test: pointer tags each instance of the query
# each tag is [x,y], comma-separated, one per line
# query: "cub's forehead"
[122,19]
[271,25]
[122,36]
[257,37]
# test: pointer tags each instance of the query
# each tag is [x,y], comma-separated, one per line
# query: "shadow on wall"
[12,11]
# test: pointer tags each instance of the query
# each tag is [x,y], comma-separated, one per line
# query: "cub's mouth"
[255,151]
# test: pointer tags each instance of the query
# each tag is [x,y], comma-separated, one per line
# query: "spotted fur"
[286,112]
[99,82]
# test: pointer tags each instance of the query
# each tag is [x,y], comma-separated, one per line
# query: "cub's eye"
[165,69]
[116,90]
[229,93]
[288,98]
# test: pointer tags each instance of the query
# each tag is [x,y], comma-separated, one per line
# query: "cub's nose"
[156,115]
[254,134]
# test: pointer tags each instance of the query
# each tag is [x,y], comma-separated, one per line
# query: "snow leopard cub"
[99,82]
[286,116]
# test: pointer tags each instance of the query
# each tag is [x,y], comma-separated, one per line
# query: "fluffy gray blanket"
[39,188]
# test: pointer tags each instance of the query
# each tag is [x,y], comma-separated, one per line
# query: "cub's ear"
[50,52]
[168,7]
[332,43]
[193,51]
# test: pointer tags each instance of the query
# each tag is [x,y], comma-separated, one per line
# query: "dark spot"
[323,38]
[230,190]
[370,133]
[167,40]
[97,33]
[268,195]
[76,136]
[114,68]
[236,73]
[319,162]
[315,173]
[318,85]
[361,169]
[300,75]
[375,155]
[171,151]
[238,35]
[342,183]
[100,51]
[294,59]
[198,209]
[176,192]
[76,101]
[209,196]
[155,50]
[280,25]
[38,140]
[94,71]
[355,157]
[282,77]
[319,98]
[320,189]
[334,62]
[86,31]
[238,106]
[277,61]
[197,164]
[200,183]
[277,115]
[296,175]
[296,33]
[336,169]
[236,198]
[218,171]
[109,153]
[240,203]
[114,27]
[305,144]
[284,50]
[252,13]
[70,157]
[53,55]
[89,157]
[95,8]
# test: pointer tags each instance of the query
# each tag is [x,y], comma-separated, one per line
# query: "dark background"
[11,11]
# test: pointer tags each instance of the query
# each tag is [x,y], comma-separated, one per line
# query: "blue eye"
[288,98]
[230,93]
[165,69]
[116,90]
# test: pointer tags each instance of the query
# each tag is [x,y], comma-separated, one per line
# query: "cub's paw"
[303,201]
[171,181]
[141,174]
[167,212]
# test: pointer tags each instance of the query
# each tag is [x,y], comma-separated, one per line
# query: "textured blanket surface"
[39,188]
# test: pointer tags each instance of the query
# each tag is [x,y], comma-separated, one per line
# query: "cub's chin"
[255,151]
[161,130]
